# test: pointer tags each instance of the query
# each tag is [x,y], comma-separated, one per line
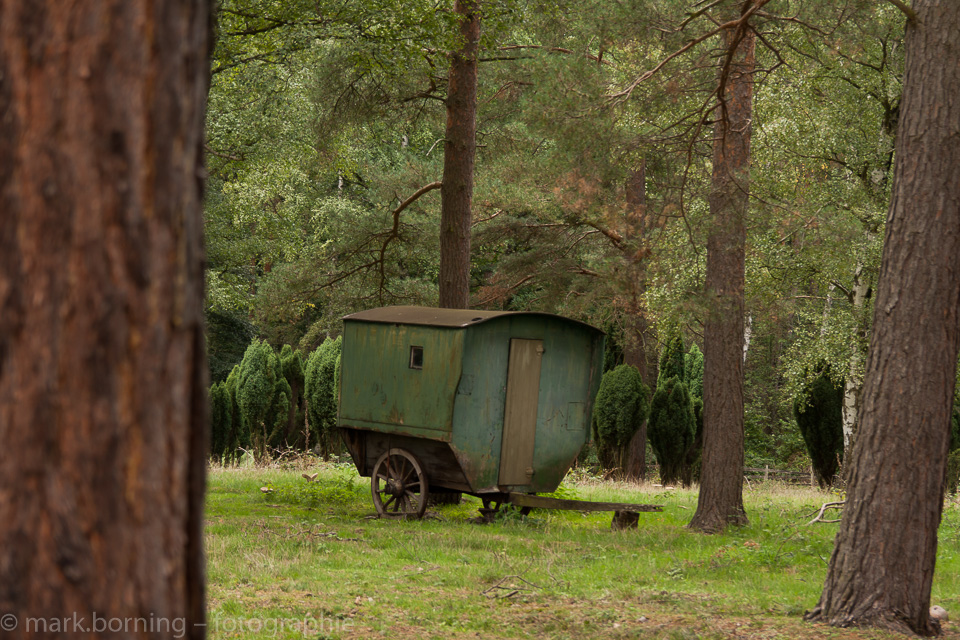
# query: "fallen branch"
[491,592]
[828,505]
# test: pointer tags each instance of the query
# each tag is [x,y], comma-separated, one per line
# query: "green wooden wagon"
[495,404]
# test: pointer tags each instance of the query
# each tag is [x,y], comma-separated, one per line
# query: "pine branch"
[906,9]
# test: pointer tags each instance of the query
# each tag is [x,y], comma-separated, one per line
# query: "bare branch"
[406,203]
[488,218]
[614,237]
[827,505]
[906,9]
[225,156]
[588,56]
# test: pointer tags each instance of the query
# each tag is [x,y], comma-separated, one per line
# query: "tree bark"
[720,501]
[636,330]
[881,570]
[459,150]
[103,372]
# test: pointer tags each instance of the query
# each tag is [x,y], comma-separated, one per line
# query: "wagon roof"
[433,317]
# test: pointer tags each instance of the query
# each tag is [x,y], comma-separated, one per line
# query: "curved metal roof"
[432,317]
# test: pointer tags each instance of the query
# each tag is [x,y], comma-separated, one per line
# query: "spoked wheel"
[399,485]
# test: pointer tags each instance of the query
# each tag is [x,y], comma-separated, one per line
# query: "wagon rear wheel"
[399,485]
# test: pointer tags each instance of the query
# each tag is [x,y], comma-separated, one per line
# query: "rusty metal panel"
[520,412]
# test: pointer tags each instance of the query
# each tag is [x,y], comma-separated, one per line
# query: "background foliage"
[324,116]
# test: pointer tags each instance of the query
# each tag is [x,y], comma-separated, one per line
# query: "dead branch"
[225,156]
[828,505]
[614,237]
[488,218]
[492,592]
[588,56]
[512,287]
[395,231]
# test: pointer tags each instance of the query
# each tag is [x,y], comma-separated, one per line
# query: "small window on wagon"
[416,357]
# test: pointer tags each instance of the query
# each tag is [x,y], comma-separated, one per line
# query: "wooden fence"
[762,474]
[792,477]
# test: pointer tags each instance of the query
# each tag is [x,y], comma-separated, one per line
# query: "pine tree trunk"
[459,149]
[882,566]
[721,478]
[636,329]
[103,414]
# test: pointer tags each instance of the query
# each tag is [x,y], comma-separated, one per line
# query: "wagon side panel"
[399,379]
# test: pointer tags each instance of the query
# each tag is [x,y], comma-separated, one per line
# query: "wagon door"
[520,411]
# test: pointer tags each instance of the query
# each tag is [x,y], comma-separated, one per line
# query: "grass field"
[311,560]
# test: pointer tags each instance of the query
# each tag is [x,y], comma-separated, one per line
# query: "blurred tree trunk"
[459,149]
[637,333]
[882,566]
[721,478]
[103,372]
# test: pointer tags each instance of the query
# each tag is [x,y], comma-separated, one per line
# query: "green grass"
[311,560]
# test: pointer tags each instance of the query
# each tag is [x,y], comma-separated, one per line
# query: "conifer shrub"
[220,416]
[262,395]
[953,460]
[693,371]
[819,413]
[672,427]
[622,404]
[292,369]
[237,437]
[321,371]
[672,358]
[694,455]
[953,471]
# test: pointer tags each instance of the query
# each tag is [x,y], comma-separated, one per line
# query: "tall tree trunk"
[102,359]
[721,478]
[882,566]
[636,329]
[459,149]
